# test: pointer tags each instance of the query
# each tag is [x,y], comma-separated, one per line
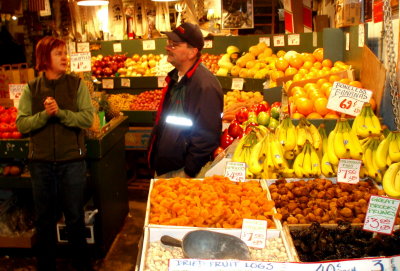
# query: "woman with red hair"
[53,110]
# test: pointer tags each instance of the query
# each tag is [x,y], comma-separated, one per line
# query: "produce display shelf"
[141,118]
[11,182]
[24,240]
[14,148]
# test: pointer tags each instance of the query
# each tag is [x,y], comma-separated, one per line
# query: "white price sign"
[349,171]
[16,90]
[125,82]
[237,83]
[117,47]
[361,35]
[294,39]
[314,39]
[208,44]
[82,47]
[348,99]
[347,37]
[266,40]
[223,265]
[80,62]
[161,81]
[108,83]
[381,214]
[149,45]
[279,41]
[254,232]
[236,171]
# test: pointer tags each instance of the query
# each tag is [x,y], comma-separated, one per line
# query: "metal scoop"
[203,244]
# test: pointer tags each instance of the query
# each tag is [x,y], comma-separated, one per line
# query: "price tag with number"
[279,41]
[237,83]
[236,171]
[266,40]
[254,232]
[161,81]
[82,47]
[349,171]
[149,45]
[125,82]
[381,214]
[16,90]
[348,99]
[294,39]
[117,47]
[208,44]
[373,264]
[108,83]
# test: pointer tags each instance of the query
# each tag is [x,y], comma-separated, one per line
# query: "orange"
[296,62]
[335,70]
[314,115]
[325,86]
[319,54]
[281,64]
[310,86]
[327,63]
[280,53]
[331,115]
[297,115]
[307,64]
[321,81]
[344,80]
[338,63]
[315,94]
[277,74]
[298,93]
[326,69]
[314,69]
[334,78]
[322,73]
[304,106]
[303,71]
[320,106]
[328,92]
[290,71]
[356,84]
[297,77]
[309,57]
[317,65]
[373,103]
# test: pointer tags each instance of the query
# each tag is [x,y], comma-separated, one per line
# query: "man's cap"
[189,33]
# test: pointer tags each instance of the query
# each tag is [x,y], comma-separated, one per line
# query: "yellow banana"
[298,165]
[289,155]
[301,135]
[356,151]
[326,167]
[389,179]
[376,124]
[277,154]
[360,125]
[316,137]
[324,137]
[394,151]
[254,165]
[382,152]
[333,159]
[239,151]
[363,172]
[338,143]
[315,162]
[307,166]
[388,161]
[291,136]
[369,125]
[372,171]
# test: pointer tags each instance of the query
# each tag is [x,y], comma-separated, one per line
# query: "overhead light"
[92,2]
[14,18]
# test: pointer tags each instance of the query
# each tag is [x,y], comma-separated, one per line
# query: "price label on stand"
[108,83]
[361,35]
[16,90]
[279,41]
[348,99]
[117,47]
[254,232]
[236,171]
[82,47]
[347,36]
[266,40]
[223,265]
[237,83]
[349,171]
[161,81]
[80,62]
[208,44]
[293,39]
[381,214]
[125,82]
[149,45]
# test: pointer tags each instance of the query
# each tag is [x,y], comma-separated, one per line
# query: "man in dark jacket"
[188,123]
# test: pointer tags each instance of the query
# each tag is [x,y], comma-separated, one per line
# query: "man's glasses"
[174,44]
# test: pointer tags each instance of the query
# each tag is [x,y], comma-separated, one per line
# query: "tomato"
[275,104]
[16,135]
[12,127]
[3,127]
[2,109]
[6,135]
[5,118]
[12,109]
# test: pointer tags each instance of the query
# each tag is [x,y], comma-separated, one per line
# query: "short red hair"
[43,50]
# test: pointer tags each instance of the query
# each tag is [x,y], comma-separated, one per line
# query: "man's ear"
[194,53]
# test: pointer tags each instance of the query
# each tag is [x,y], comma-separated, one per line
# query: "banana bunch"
[286,135]
[370,146]
[391,180]
[343,143]
[307,163]
[324,138]
[366,123]
[243,151]
[306,131]
[388,151]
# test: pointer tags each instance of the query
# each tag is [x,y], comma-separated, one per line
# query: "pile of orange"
[213,202]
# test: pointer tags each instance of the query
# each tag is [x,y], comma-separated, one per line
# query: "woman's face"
[59,61]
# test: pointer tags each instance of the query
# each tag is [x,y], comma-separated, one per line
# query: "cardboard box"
[25,240]
[137,138]
[348,13]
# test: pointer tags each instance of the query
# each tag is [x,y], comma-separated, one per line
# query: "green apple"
[263,118]
[273,123]
[275,113]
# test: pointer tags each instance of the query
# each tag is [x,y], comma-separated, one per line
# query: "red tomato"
[12,127]
[3,127]
[16,135]
[5,118]
[6,135]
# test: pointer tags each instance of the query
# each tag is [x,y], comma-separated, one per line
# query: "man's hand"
[51,106]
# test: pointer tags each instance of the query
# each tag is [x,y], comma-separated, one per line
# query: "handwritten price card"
[125,82]
[108,83]
[223,265]
[348,99]
[82,47]
[117,47]
[161,81]
[254,232]
[279,41]
[266,40]
[237,83]
[293,39]
[236,171]
[349,171]
[81,62]
[381,214]
[208,44]
[149,45]
[16,90]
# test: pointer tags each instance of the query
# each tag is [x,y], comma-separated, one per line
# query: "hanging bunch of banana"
[324,140]
[388,151]
[391,180]
[366,123]
[286,135]
[369,167]
[305,130]
[307,163]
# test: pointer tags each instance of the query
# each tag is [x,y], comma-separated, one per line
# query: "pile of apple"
[211,62]
[147,100]
[258,114]
[124,66]
[8,128]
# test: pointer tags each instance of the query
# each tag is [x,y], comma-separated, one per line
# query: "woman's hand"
[51,106]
